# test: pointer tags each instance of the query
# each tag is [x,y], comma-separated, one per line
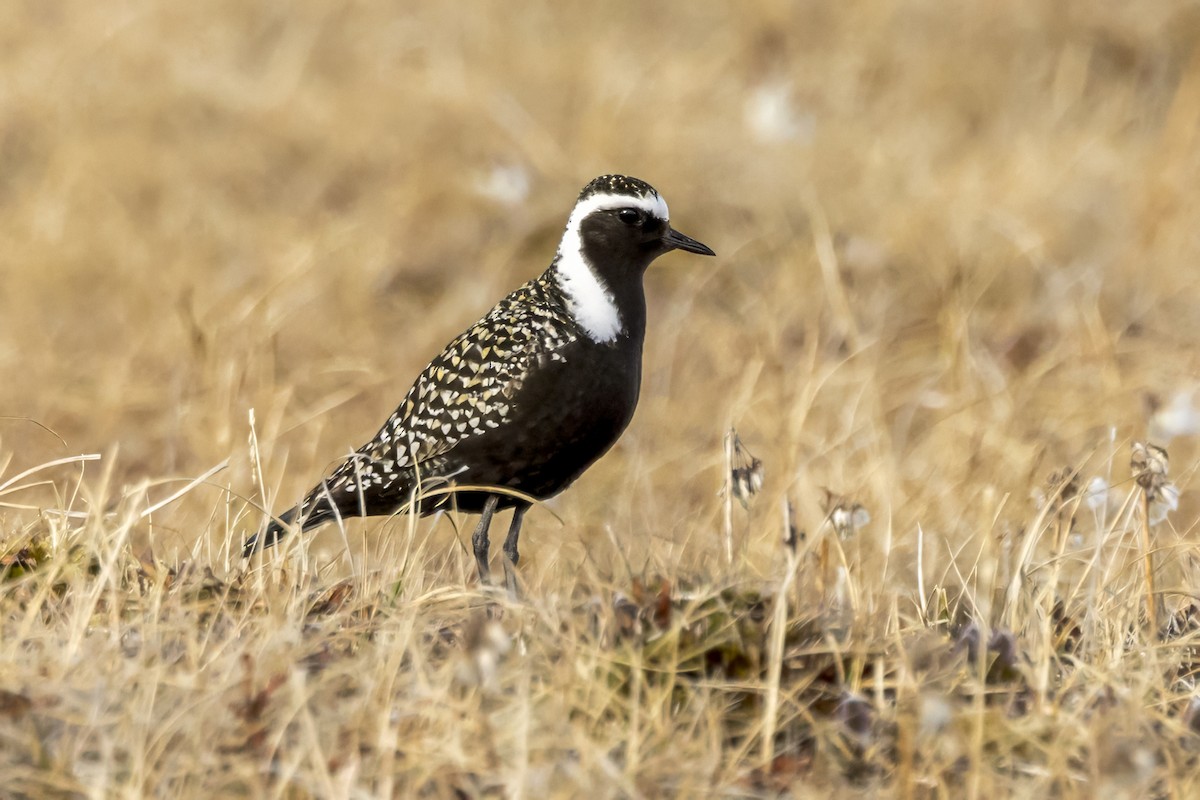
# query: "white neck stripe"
[589,300]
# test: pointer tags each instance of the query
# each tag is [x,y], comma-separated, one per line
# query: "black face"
[621,242]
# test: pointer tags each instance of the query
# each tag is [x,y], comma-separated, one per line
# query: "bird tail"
[315,510]
[348,492]
[264,538]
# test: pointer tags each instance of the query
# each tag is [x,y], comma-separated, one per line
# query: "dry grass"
[958,254]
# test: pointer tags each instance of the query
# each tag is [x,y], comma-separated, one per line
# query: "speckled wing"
[465,391]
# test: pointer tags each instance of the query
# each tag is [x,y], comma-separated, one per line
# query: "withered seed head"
[745,472]
[1149,464]
[1064,482]
[844,515]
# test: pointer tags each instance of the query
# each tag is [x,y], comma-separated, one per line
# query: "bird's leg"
[511,556]
[480,539]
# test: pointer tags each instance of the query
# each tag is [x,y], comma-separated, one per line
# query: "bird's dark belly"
[567,415]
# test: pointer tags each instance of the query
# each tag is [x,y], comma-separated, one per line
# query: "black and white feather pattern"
[465,392]
[528,397]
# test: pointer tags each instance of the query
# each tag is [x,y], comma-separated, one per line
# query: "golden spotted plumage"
[465,390]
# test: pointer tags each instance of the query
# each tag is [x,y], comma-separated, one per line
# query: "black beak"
[674,240]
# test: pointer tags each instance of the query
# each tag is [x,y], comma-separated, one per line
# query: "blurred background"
[957,246]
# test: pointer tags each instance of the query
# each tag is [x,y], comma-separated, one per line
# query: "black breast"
[568,412]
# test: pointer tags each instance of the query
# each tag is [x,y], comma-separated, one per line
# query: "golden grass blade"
[9,485]
[192,484]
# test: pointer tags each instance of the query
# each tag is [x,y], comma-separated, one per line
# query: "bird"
[520,404]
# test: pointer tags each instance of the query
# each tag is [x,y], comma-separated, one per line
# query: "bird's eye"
[629,216]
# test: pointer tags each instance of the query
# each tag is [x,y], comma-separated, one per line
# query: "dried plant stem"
[728,509]
[979,715]
[835,289]
[823,579]
[906,748]
[1148,563]
[778,639]
[923,600]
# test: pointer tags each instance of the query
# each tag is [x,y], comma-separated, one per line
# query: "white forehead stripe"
[590,302]
[651,204]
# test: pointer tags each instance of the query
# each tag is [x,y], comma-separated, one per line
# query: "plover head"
[618,227]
